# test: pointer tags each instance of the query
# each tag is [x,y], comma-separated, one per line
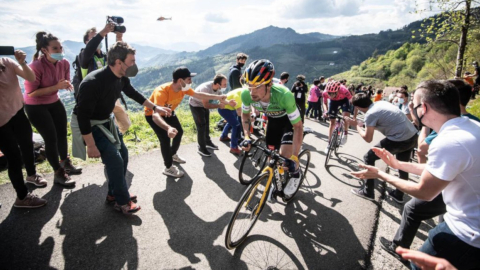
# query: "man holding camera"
[93,126]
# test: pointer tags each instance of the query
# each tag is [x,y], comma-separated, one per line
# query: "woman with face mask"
[44,108]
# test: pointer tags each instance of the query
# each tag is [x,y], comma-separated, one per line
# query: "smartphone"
[7,50]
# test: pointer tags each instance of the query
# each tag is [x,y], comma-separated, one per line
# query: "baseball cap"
[182,72]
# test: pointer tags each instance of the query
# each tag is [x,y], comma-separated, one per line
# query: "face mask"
[131,71]
[419,119]
[240,65]
[187,86]
[401,100]
[223,89]
[57,56]
[100,46]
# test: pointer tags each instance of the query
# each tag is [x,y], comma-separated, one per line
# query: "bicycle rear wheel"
[331,145]
[245,217]
[252,163]
[304,163]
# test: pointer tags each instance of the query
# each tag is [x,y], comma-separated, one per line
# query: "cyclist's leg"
[346,112]
[332,113]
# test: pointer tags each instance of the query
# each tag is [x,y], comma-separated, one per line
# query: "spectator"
[201,111]
[402,101]
[284,78]
[236,72]
[44,108]
[400,134]
[416,210]
[476,85]
[170,95]
[16,132]
[231,114]
[378,96]
[93,126]
[300,90]
[392,96]
[313,100]
[452,169]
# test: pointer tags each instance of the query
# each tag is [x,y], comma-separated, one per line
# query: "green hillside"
[411,64]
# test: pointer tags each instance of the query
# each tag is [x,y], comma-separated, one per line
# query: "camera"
[118,21]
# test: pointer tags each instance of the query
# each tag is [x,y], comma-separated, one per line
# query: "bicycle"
[262,189]
[255,160]
[336,138]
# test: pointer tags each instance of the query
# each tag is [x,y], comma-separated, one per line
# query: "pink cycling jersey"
[341,94]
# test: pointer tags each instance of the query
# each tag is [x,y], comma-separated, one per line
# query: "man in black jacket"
[236,72]
[300,90]
[93,126]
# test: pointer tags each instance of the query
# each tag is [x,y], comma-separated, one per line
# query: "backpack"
[77,78]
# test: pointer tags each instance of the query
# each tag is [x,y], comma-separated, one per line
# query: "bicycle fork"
[264,195]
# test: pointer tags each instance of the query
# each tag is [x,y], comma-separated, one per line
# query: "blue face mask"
[57,56]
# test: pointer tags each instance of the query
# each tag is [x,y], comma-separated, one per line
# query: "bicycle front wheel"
[245,215]
[304,163]
[341,133]
[331,146]
[252,163]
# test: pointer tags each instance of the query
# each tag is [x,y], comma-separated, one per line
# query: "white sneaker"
[344,139]
[326,150]
[173,171]
[178,159]
[291,186]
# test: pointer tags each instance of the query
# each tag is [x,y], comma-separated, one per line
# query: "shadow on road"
[97,236]
[213,168]
[20,234]
[189,234]
[314,227]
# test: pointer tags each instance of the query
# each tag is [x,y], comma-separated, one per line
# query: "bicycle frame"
[268,169]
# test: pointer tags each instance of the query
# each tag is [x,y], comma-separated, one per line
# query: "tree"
[452,25]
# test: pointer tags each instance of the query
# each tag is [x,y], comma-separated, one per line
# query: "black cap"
[182,73]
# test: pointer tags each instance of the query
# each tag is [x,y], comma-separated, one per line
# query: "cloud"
[216,18]
[306,9]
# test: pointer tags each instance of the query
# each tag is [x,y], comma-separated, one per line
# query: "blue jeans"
[232,122]
[443,243]
[116,161]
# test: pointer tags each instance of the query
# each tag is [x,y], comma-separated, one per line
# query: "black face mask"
[419,119]
[131,71]
[240,65]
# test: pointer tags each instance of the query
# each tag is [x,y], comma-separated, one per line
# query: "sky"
[198,24]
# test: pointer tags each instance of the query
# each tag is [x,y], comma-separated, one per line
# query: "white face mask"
[187,86]
[223,89]
[401,100]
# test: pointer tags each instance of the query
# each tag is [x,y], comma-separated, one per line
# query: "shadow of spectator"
[21,231]
[189,234]
[213,168]
[97,236]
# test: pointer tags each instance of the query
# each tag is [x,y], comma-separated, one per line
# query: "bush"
[415,63]
[397,66]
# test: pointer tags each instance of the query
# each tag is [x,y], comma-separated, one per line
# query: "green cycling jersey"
[282,102]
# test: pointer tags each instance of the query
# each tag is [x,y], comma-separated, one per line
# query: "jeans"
[201,116]
[232,122]
[314,107]
[320,108]
[18,132]
[414,212]
[443,243]
[402,150]
[116,161]
[51,122]
[168,147]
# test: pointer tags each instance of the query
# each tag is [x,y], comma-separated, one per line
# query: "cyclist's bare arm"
[297,137]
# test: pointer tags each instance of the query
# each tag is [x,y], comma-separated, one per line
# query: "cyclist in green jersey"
[285,127]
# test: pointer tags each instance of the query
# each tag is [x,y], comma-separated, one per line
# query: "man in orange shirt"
[168,127]
[378,96]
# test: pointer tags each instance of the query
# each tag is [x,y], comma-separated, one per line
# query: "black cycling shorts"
[279,132]
[333,106]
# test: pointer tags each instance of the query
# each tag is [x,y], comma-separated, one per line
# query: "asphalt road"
[183,221]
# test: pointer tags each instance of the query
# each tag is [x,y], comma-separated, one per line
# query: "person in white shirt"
[453,168]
